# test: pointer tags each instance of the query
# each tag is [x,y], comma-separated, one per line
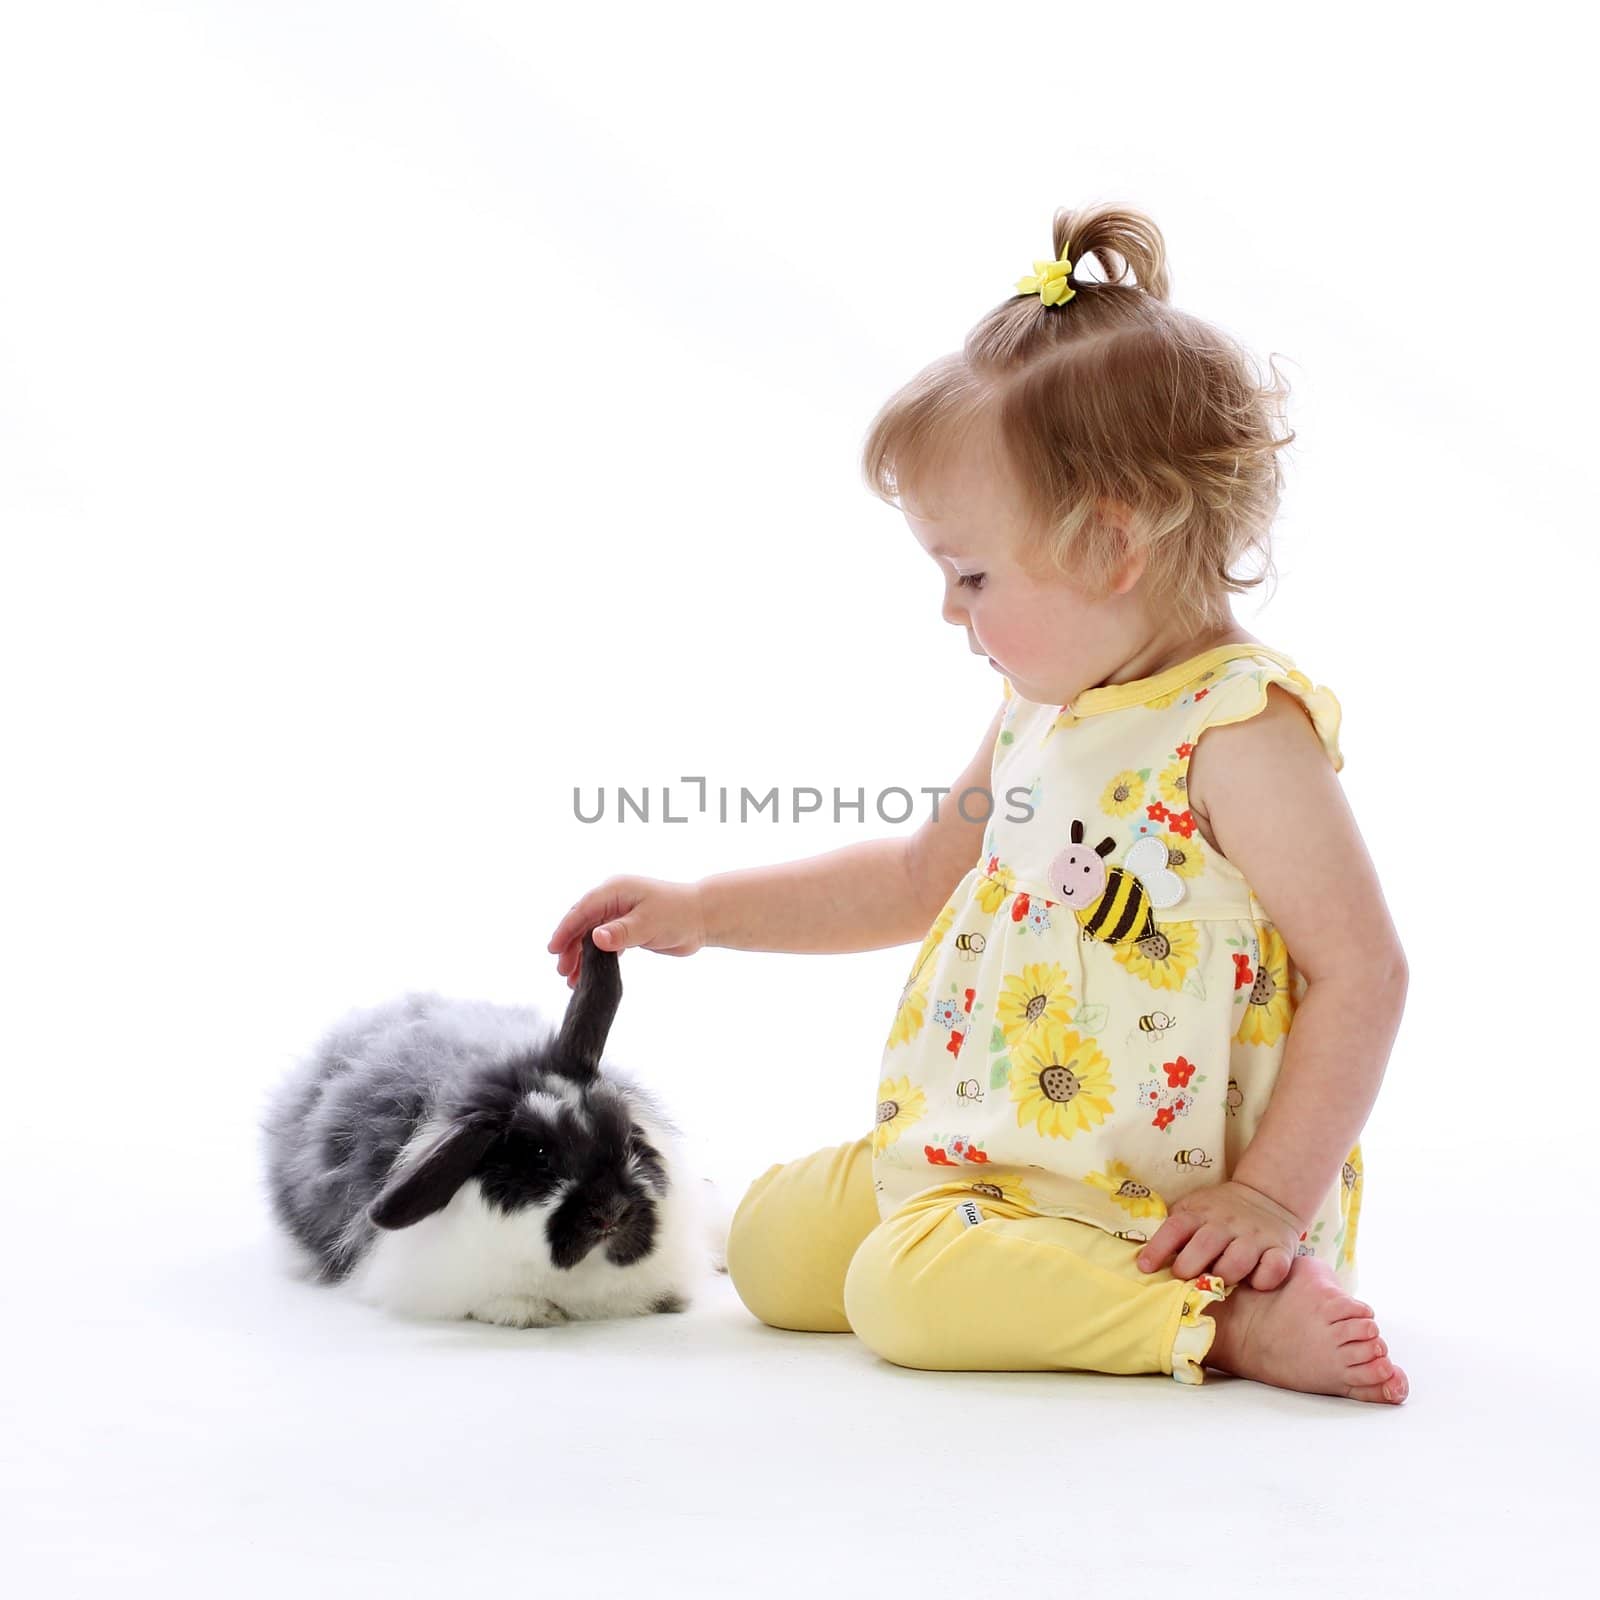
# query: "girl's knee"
[882,1302]
[752,1247]
[789,1242]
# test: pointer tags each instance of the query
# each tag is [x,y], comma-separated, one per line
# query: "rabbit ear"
[430,1184]
[589,1013]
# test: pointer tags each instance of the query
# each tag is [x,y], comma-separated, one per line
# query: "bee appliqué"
[1116,904]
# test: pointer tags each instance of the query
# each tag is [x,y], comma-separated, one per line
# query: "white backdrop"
[409,412]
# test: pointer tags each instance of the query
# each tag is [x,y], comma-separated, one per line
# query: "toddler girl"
[1116,1123]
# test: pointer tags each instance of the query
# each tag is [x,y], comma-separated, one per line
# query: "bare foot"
[1306,1334]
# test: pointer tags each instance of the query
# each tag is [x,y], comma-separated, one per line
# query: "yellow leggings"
[927,1287]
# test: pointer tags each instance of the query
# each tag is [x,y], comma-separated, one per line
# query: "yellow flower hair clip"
[1049,280]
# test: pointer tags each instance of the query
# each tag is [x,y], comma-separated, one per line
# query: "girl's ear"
[430,1184]
[1119,518]
[1130,572]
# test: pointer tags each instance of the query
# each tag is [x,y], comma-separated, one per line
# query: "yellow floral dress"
[1094,1022]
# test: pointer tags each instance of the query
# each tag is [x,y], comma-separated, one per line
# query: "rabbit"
[457,1158]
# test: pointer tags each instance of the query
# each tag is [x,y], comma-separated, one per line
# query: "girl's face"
[1045,633]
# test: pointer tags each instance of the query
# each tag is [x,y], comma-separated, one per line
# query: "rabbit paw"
[519,1311]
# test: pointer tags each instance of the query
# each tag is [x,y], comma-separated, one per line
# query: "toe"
[1378,1381]
[1378,1371]
[1379,1393]
[1353,1328]
[1391,1390]
[1362,1354]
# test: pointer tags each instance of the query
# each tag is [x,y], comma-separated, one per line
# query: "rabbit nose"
[612,1213]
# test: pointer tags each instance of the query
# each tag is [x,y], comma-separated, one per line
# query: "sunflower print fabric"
[1093,1024]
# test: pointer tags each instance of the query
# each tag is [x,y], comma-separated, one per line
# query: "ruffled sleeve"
[1242,693]
[1196,1329]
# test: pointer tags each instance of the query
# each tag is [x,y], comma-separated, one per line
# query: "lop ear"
[589,1013]
[430,1184]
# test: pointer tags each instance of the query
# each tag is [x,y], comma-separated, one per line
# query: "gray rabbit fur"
[458,1158]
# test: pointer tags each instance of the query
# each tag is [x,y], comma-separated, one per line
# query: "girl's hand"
[665,917]
[1246,1233]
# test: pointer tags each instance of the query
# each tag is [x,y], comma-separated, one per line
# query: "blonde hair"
[1113,395]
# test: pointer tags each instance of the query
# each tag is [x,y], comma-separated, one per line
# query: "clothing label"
[969,1213]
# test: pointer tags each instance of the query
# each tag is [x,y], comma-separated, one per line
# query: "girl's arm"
[863,897]
[1271,799]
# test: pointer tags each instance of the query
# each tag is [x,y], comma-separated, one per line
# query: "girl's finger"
[1169,1238]
[571,925]
[1274,1266]
[1237,1262]
[571,953]
[617,934]
[1201,1251]
[574,963]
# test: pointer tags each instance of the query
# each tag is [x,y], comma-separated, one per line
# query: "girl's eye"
[970,580]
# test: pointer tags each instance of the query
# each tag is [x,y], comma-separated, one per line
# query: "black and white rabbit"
[456,1158]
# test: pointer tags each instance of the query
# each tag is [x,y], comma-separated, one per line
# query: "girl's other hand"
[1245,1233]
[621,912]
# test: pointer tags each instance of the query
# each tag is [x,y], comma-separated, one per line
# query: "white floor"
[184,1419]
